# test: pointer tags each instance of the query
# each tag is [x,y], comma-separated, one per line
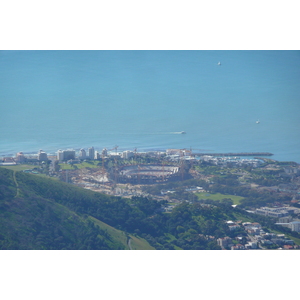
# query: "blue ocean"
[54,100]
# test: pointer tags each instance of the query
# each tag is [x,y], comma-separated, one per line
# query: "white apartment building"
[91,153]
[82,154]
[60,155]
[65,154]
[295,226]
[127,154]
[97,155]
[42,156]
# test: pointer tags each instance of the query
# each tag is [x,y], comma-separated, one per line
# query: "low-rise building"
[127,154]
[253,245]
[275,212]
[224,242]
[278,241]
[233,227]
[194,189]
[285,219]
[266,242]
[238,247]
[253,231]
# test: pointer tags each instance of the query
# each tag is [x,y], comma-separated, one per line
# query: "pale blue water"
[54,100]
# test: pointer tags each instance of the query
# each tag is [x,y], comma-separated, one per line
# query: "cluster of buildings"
[63,155]
[70,154]
[179,154]
[91,153]
[292,170]
[171,154]
[256,238]
[231,160]
[283,215]
[21,158]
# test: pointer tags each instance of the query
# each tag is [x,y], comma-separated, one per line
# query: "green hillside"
[42,213]
[136,243]
[39,213]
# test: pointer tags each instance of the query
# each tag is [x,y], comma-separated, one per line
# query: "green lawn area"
[19,167]
[296,240]
[66,167]
[82,165]
[88,165]
[236,199]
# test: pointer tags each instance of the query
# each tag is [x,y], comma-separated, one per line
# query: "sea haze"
[54,100]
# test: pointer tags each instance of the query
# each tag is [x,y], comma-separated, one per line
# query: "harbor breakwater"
[236,154]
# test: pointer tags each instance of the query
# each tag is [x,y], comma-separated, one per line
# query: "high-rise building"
[82,154]
[65,154]
[20,157]
[97,155]
[69,154]
[42,156]
[60,155]
[104,152]
[92,153]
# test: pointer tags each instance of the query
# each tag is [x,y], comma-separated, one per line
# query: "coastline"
[53,151]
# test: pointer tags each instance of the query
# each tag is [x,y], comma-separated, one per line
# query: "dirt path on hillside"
[17,185]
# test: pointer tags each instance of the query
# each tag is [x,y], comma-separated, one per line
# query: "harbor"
[236,154]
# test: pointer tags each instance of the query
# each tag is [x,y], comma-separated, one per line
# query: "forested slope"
[48,214]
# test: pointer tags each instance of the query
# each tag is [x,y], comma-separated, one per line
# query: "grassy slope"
[22,217]
[140,244]
[137,243]
[82,165]
[38,223]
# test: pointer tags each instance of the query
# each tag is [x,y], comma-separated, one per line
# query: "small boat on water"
[182,132]
[257,122]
